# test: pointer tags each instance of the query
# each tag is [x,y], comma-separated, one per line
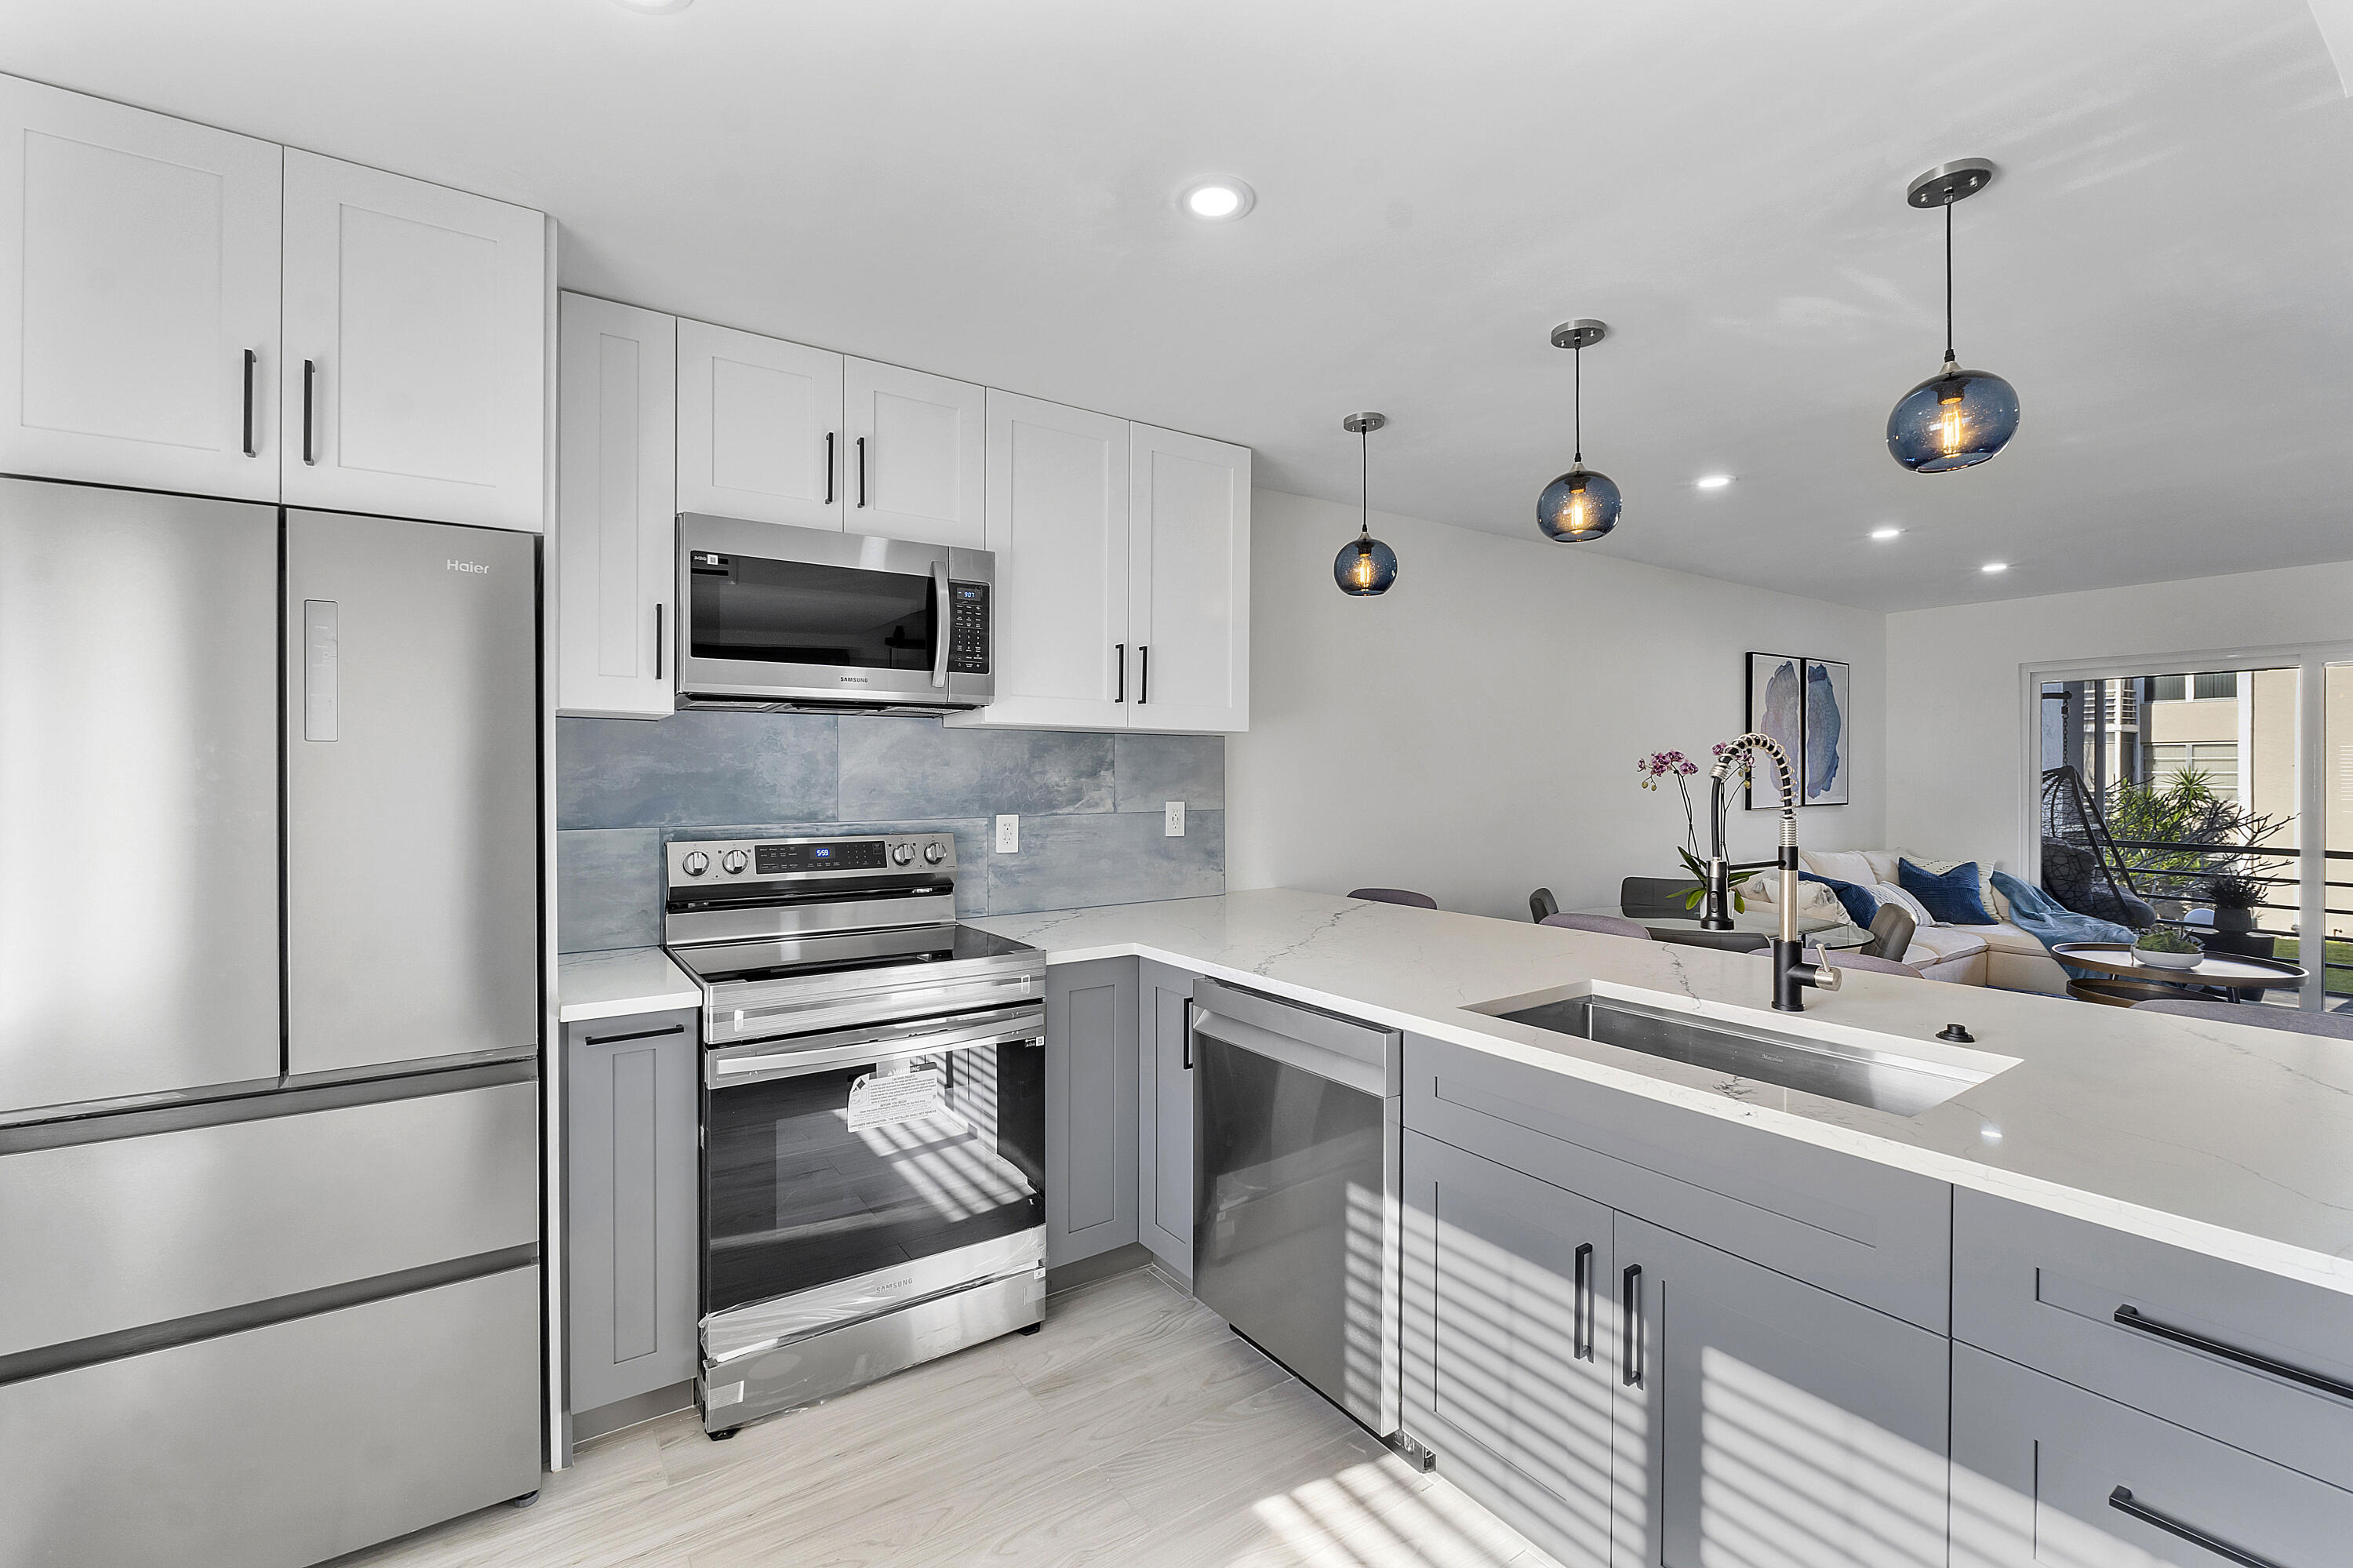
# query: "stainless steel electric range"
[873,1115]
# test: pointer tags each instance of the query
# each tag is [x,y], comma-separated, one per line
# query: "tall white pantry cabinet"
[184,309]
[1122,550]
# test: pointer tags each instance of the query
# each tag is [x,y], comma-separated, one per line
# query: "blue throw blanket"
[2045,920]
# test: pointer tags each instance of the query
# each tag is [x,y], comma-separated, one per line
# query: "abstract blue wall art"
[1777,708]
[1824,769]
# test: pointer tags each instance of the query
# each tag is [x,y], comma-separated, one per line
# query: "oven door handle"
[752,1065]
[946,624]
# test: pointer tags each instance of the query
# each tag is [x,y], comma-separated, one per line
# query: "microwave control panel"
[968,628]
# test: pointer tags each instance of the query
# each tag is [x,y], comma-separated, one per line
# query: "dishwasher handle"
[1334,1067]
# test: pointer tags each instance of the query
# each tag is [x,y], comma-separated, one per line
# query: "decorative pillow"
[1987,892]
[1953,897]
[1858,903]
[1839,865]
[1888,893]
[1816,900]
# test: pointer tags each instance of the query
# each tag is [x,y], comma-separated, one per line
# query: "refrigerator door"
[138,795]
[412,822]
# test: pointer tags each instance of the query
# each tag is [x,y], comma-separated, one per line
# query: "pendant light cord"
[1948,280]
[1577,359]
[1364,483]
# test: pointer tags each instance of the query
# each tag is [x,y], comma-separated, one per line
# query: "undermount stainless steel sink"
[1860,1076]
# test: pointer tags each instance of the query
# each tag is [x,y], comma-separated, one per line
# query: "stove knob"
[933,855]
[901,853]
[734,862]
[695,864]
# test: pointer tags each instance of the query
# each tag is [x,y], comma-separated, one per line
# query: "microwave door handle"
[727,1072]
[945,632]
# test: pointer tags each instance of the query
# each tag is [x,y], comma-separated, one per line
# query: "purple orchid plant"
[1663,765]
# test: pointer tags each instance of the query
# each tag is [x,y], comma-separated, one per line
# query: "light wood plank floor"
[1134,1430]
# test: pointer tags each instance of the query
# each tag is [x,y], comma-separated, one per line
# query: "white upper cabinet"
[1189,573]
[916,454]
[759,428]
[138,298]
[414,380]
[1056,521]
[614,519]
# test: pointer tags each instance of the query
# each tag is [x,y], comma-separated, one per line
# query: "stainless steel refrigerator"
[269,1027]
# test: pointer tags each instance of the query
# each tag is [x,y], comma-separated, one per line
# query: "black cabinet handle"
[310,381]
[2130,1316]
[1581,1346]
[1143,674]
[1122,647]
[250,359]
[658,640]
[638,1034]
[1189,1033]
[1630,1303]
[829,468]
[2123,1502]
[862,471]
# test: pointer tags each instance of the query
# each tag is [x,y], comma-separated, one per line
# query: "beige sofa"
[1999,955]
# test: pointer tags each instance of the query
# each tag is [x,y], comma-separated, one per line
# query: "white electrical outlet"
[1008,835]
[1176,824]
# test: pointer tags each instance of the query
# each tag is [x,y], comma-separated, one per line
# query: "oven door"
[771,615]
[855,1173]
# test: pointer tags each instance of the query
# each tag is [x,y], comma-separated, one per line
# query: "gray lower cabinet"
[1163,1127]
[1755,1409]
[633,1216]
[2045,1472]
[1510,1343]
[1090,1109]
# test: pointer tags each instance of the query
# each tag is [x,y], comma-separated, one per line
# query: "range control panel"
[968,628]
[701,863]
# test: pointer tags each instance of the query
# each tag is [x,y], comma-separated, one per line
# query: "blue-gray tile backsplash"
[1090,807]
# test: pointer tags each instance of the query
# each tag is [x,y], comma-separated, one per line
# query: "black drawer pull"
[1582,1346]
[2123,1502]
[1630,1303]
[2129,1318]
[641,1034]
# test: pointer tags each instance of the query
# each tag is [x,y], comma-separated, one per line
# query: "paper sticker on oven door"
[900,1097]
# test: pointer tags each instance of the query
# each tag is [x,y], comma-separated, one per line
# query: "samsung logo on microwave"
[476,567]
[855,680]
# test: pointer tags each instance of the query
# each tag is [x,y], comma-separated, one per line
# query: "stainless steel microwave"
[775,618]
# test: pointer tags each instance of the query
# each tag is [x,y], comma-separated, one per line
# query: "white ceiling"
[986,188]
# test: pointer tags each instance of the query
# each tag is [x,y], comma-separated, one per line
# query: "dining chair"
[1605,925]
[1891,932]
[1656,897]
[1395,895]
[1541,902]
[2330,1025]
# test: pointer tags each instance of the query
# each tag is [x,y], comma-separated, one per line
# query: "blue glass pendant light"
[1957,417]
[1365,566]
[1580,504]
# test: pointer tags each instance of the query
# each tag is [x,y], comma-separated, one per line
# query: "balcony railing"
[2155,880]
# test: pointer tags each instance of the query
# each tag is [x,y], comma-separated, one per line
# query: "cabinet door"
[1756,1413]
[415,379]
[1509,1346]
[759,428]
[1089,1108]
[2045,1472]
[1188,580]
[1058,526]
[1164,1124]
[138,298]
[918,448]
[633,1130]
[615,485]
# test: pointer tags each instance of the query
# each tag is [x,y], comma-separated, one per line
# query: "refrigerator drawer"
[133,1231]
[282,1446]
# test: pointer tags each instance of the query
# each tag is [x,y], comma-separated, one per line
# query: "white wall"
[1956,739]
[1472,733]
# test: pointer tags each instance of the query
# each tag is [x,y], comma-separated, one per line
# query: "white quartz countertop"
[619,983]
[2230,1139]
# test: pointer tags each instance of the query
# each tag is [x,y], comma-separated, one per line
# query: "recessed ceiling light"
[654,7]
[1713,481]
[1218,199]
[1885,532]
[1995,566]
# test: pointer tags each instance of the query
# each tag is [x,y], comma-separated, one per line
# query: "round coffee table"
[2125,980]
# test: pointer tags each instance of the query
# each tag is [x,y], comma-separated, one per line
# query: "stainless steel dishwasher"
[1295,1212]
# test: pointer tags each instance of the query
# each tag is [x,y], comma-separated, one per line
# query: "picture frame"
[1775,698]
[1826,727]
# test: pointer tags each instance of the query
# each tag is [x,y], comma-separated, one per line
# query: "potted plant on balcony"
[2168,949]
[2235,895]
